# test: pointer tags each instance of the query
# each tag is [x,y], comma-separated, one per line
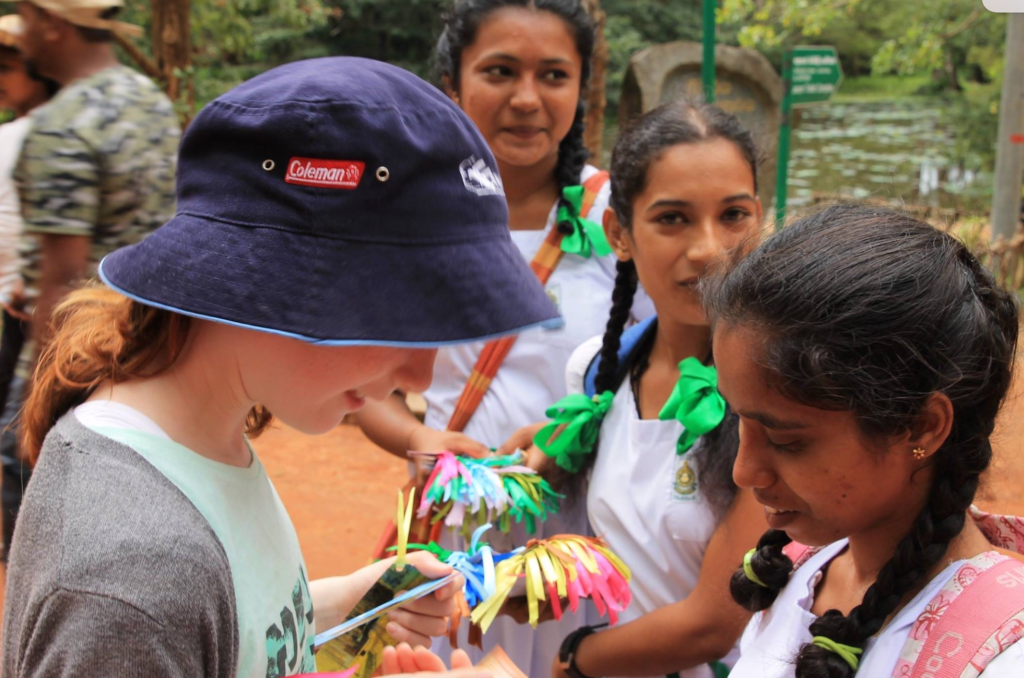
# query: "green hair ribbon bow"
[695,403]
[581,418]
[586,234]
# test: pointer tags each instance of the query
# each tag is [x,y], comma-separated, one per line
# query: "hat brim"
[331,291]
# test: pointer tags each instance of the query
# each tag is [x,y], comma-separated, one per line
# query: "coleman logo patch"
[325,173]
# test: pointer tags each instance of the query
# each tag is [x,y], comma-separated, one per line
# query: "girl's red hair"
[100,336]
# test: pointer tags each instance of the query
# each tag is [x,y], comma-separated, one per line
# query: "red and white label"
[325,173]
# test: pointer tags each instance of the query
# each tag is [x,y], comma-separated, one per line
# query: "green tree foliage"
[954,40]
[236,39]
[958,42]
[402,32]
[897,36]
[635,25]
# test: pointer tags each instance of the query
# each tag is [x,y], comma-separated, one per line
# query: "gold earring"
[919,453]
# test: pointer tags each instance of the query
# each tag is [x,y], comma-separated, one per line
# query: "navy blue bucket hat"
[341,201]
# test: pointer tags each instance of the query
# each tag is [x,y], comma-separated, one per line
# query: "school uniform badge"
[685,486]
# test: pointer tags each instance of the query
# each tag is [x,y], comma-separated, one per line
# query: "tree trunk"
[596,89]
[951,76]
[172,50]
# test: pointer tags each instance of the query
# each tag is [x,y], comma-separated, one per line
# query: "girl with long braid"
[519,69]
[645,441]
[867,355]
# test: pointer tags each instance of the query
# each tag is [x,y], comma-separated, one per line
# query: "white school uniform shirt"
[12,137]
[530,380]
[774,636]
[658,525]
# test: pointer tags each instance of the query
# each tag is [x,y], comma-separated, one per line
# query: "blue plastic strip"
[380,610]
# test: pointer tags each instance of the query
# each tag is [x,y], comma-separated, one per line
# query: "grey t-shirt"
[113,571]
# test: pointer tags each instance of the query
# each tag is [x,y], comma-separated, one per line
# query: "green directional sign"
[810,75]
[815,74]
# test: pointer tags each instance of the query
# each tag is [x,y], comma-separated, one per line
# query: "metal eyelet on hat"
[383,174]
[268,164]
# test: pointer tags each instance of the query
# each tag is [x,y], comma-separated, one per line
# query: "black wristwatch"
[567,653]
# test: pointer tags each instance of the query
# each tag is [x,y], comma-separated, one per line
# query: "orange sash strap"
[494,353]
[491,358]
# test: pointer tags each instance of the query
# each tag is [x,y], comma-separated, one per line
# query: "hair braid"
[608,370]
[572,158]
[607,377]
[771,566]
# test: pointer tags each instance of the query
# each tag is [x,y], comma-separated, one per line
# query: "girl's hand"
[556,669]
[404,659]
[427,617]
[522,439]
[425,439]
[334,598]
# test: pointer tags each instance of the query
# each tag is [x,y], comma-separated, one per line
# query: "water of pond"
[901,151]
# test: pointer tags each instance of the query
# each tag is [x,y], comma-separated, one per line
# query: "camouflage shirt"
[98,162]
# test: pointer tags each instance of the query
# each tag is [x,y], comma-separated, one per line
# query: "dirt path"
[340,489]
[1002,489]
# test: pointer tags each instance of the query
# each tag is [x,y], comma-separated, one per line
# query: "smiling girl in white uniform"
[656,484]
[518,69]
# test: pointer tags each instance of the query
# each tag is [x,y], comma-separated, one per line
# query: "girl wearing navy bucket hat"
[519,70]
[326,244]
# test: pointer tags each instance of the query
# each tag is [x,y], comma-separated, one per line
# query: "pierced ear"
[932,427]
[54,28]
[446,83]
[617,236]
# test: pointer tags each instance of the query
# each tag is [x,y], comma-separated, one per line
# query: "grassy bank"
[879,87]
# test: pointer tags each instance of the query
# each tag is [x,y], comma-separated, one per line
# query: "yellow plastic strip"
[584,555]
[403,520]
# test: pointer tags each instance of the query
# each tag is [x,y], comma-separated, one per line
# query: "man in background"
[96,171]
[20,93]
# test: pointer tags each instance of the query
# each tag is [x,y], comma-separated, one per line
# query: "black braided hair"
[638,147]
[865,310]
[463,21]
[609,375]
[572,158]
[771,566]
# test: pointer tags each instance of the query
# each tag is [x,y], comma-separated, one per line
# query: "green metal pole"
[784,130]
[707,65]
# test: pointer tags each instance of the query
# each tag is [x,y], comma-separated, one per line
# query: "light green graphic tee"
[275,611]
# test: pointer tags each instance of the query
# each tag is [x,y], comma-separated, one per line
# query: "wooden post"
[1006,200]
[172,50]
[592,138]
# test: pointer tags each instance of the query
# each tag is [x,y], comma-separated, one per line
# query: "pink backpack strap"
[976,615]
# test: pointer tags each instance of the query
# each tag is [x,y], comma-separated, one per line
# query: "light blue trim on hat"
[547,324]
